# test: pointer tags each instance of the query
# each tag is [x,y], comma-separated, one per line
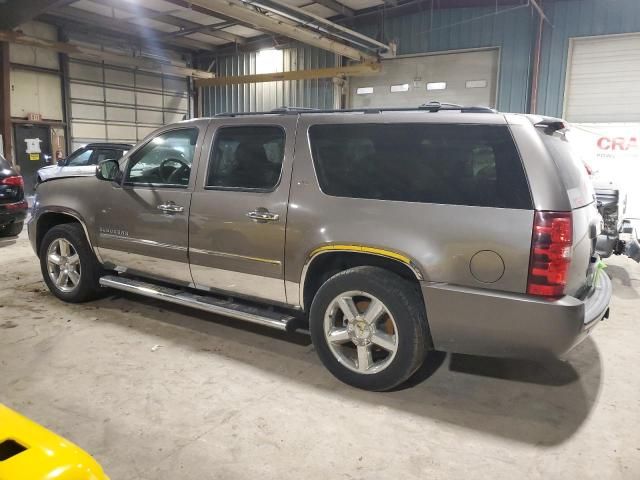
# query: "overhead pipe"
[238,10]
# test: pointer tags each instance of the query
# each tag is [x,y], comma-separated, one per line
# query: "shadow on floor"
[530,402]
[621,275]
[7,241]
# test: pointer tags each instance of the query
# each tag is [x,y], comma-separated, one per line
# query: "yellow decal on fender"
[361,248]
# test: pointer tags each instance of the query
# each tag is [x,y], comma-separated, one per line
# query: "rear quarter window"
[572,170]
[476,165]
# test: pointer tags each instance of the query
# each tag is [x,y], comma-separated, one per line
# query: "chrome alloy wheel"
[63,265]
[361,332]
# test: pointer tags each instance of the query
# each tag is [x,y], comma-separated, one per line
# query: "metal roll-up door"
[116,104]
[603,76]
[466,78]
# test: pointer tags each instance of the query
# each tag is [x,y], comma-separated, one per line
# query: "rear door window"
[246,158]
[476,165]
[572,169]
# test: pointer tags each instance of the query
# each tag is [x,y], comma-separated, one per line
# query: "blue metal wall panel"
[509,28]
[577,18]
[265,96]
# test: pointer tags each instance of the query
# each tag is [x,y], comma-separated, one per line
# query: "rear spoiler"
[551,125]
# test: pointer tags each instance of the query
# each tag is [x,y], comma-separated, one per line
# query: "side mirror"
[108,170]
[60,162]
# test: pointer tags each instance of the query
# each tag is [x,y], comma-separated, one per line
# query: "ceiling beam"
[211,30]
[96,55]
[237,10]
[16,12]
[361,69]
[336,6]
[127,41]
[328,23]
[148,34]
[212,13]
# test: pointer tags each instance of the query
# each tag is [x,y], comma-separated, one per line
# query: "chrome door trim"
[234,255]
[143,241]
[255,286]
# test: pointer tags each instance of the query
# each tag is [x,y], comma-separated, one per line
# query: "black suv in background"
[13,206]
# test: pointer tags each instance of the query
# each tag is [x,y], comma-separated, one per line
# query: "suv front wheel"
[69,266]
[369,328]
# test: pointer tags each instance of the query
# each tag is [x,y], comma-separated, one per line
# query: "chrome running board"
[213,304]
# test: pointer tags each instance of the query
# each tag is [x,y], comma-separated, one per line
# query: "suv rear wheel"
[69,266]
[369,328]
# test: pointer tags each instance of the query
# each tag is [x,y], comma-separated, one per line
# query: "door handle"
[262,215]
[170,207]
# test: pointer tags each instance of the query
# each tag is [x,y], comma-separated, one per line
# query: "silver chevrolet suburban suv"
[387,233]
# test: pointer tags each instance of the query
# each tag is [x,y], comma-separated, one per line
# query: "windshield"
[79,158]
[574,175]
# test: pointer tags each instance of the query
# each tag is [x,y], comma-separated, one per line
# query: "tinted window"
[79,158]
[572,169]
[449,164]
[246,158]
[165,160]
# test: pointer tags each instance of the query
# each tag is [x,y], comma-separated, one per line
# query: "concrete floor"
[220,399]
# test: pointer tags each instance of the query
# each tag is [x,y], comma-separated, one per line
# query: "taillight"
[550,253]
[15,181]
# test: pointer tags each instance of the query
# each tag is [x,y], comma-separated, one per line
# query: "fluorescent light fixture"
[476,84]
[400,88]
[269,61]
[436,85]
[364,90]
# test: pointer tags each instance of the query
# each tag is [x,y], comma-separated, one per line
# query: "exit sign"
[34,117]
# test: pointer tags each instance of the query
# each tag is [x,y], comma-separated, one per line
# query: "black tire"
[88,287]
[11,230]
[402,300]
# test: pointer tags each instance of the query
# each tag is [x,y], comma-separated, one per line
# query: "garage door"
[115,104]
[466,78]
[603,78]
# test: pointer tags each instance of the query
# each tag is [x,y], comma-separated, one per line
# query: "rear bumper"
[483,322]
[13,212]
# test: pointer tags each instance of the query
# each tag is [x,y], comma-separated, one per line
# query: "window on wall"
[364,90]
[475,165]
[246,158]
[476,84]
[404,87]
[436,85]
[269,61]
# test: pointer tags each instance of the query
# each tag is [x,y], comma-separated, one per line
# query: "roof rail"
[429,107]
[437,106]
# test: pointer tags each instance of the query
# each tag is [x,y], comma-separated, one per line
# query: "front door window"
[165,161]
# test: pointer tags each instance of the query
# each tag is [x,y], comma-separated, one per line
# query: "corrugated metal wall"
[509,28]
[266,96]
[461,28]
[577,18]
